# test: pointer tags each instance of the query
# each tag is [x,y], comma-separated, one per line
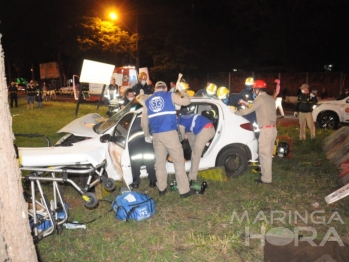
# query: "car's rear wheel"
[328,120]
[234,160]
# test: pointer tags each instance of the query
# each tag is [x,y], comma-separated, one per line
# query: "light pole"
[113,16]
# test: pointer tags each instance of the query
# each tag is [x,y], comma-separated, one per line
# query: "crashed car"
[329,113]
[122,138]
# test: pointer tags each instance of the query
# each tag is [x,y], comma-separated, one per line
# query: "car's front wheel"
[328,120]
[234,160]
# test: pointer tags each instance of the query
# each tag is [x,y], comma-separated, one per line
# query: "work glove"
[149,139]
[245,103]
[312,95]
[141,92]
[179,87]
[295,114]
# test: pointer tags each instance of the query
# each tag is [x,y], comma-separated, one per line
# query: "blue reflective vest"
[193,123]
[161,112]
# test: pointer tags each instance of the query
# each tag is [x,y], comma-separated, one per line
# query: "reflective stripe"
[193,123]
[267,126]
[163,113]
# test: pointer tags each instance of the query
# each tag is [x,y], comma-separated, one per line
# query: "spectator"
[172,87]
[278,98]
[304,108]
[38,96]
[13,90]
[30,94]
[324,93]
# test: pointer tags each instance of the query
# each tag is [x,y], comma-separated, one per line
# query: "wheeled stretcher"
[55,165]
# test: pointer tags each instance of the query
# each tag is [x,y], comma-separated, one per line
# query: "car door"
[118,149]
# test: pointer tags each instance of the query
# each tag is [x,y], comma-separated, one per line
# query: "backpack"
[133,205]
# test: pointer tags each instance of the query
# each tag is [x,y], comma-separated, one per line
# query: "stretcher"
[55,165]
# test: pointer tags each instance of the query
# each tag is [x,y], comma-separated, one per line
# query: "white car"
[329,113]
[66,90]
[122,138]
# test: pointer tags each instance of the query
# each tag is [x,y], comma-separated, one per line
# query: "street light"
[113,16]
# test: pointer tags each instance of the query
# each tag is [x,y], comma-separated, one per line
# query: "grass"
[200,228]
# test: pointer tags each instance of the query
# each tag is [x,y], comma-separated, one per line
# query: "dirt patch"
[304,252]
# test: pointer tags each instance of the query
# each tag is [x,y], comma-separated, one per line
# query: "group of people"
[34,92]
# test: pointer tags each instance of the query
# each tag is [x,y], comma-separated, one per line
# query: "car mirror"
[105,138]
[119,140]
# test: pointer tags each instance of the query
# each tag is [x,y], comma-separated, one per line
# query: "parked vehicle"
[329,113]
[233,145]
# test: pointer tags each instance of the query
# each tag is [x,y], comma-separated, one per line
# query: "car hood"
[83,126]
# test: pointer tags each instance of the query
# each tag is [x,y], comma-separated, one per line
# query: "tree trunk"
[16,242]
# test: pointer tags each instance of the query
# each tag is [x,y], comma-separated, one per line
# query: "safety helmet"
[283,149]
[249,81]
[259,84]
[187,110]
[142,76]
[222,92]
[211,89]
[184,85]
[191,93]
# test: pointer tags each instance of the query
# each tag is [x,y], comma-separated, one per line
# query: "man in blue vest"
[198,130]
[159,124]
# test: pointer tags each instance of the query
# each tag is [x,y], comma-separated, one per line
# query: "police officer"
[159,124]
[264,106]
[198,130]
[142,86]
[304,108]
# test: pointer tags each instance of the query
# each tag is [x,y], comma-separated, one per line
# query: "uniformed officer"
[159,123]
[304,107]
[264,106]
[198,130]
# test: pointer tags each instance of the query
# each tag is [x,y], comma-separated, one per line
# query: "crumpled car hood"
[83,126]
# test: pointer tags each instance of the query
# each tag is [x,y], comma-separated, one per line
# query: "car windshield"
[132,106]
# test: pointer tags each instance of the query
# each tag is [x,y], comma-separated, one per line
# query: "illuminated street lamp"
[113,16]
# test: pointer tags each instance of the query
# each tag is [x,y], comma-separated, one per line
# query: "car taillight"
[247,126]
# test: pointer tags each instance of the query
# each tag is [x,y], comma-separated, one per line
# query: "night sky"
[202,36]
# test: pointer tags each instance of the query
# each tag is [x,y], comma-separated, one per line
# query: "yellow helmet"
[249,81]
[185,85]
[142,76]
[222,92]
[211,89]
[191,93]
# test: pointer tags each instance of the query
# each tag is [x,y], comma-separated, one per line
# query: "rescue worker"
[198,130]
[209,91]
[112,91]
[264,106]
[223,94]
[246,94]
[129,96]
[142,87]
[304,109]
[159,124]
[278,98]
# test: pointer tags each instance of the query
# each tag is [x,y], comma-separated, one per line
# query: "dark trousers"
[15,99]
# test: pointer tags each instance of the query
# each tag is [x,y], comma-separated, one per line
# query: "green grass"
[199,228]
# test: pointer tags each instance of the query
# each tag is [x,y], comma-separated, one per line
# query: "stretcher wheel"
[90,200]
[109,184]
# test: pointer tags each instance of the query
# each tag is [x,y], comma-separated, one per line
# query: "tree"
[16,242]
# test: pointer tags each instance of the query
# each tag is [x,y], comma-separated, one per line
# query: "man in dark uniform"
[142,87]
[304,108]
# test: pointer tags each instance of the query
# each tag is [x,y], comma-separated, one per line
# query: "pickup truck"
[329,113]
